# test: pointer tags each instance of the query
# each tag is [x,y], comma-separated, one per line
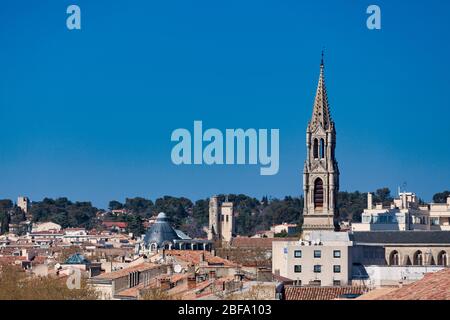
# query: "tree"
[115,205]
[139,206]
[282,234]
[65,213]
[154,294]
[135,225]
[441,197]
[383,195]
[258,291]
[15,284]
[6,206]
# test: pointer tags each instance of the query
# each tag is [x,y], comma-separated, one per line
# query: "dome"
[160,232]
[77,258]
[161,215]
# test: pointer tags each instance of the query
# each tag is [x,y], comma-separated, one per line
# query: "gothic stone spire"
[321,111]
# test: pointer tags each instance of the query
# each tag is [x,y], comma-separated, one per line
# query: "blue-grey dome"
[160,232]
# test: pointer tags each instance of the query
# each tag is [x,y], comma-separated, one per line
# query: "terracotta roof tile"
[320,293]
[433,286]
[194,256]
[124,272]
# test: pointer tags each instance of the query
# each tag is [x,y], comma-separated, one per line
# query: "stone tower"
[320,173]
[227,217]
[214,219]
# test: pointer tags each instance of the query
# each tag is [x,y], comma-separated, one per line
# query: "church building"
[320,173]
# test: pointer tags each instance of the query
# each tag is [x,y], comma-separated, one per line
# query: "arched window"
[316,149]
[322,149]
[394,259]
[442,258]
[418,258]
[318,193]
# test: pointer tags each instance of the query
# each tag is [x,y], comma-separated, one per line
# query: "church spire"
[321,112]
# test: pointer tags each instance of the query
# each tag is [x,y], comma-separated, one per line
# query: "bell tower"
[320,172]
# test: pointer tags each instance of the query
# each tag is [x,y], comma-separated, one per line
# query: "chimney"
[448,200]
[191,282]
[369,201]
[169,270]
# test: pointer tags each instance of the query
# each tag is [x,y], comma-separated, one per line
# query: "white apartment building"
[404,213]
[440,215]
[322,258]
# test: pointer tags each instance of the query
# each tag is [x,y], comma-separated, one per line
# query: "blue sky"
[88,114]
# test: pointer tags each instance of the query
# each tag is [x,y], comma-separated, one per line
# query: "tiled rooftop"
[320,293]
[433,286]
[124,272]
[194,256]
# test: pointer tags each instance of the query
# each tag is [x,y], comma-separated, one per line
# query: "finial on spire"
[321,62]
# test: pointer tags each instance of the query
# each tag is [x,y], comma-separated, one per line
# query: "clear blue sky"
[88,114]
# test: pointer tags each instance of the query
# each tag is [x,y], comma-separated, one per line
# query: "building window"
[316,149]
[394,259]
[336,283]
[418,258]
[298,253]
[336,253]
[322,149]
[317,253]
[442,258]
[317,268]
[337,269]
[297,268]
[434,221]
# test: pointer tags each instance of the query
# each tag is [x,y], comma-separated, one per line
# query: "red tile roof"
[8,260]
[124,272]
[433,286]
[320,293]
[194,257]
[110,224]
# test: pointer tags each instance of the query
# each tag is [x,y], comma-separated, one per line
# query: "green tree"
[115,205]
[441,197]
[383,195]
[139,206]
[64,212]
[135,225]
[6,206]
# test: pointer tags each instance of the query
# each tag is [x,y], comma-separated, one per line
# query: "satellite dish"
[57,266]
[177,268]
